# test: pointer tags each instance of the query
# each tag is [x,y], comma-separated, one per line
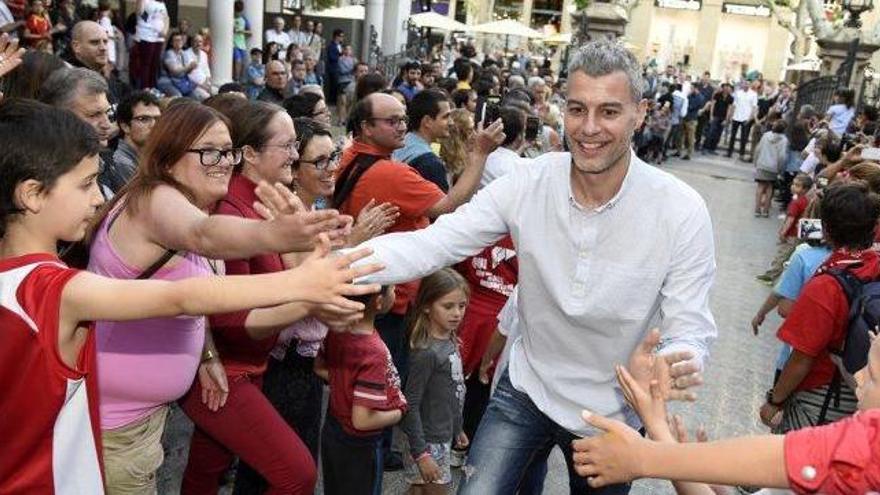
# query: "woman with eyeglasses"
[290,383]
[158,226]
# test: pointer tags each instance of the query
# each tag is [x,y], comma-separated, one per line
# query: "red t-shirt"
[796,209]
[820,315]
[239,352]
[38,25]
[361,373]
[50,436]
[841,458]
[388,181]
[492,276]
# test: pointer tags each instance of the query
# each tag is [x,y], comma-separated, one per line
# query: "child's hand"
[429,469]
[612,457]
[648,404]
[757,321]
[329,278]
[462,441]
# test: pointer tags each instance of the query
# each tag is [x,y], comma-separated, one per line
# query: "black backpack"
[863,297]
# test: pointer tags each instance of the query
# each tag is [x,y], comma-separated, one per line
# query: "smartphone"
[809,229]
[872,154]
[533,128]
[490,111]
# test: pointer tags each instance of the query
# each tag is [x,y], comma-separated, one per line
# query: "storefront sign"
[745,9]
[679,4]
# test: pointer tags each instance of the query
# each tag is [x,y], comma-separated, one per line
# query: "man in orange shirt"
[367,172]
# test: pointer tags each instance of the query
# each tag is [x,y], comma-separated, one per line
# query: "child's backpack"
[864,320]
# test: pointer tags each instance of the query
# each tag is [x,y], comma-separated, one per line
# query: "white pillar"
[374,16]
[220,17]
[253,11]
[394,36]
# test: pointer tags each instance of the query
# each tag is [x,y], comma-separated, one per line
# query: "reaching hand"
[648,404]
[645,364]
[612,457]
[372,221]
[853,155]
[329,278]
[10,54]
[489,138]
[294,226]
[215,389]
[336,317]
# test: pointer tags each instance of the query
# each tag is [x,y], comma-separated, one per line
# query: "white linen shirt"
[499,163]
[744,104]
[591,281]
[282,39]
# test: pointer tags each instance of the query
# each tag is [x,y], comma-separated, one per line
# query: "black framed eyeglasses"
[210,157]
[325,163]
[289,147]
[392,121]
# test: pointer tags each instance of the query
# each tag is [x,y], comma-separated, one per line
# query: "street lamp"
[855,9]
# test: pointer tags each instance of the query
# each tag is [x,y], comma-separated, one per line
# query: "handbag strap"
[158,264]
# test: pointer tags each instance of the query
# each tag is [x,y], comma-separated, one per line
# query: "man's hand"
[675,373]
[10,54]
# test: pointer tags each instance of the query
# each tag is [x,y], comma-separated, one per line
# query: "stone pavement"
[740,367]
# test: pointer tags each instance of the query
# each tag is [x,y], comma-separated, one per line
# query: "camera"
[809,229]
[489,110]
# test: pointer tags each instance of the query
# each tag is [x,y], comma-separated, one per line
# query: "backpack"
[863,297]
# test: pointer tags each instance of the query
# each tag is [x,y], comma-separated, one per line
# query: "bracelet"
[771,401]
[207,355]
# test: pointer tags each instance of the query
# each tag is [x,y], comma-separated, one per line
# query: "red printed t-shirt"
[50,440]
[836,459]
[361,373]
[796,209]
[492,277]
[238,351]
[388,181]
[818,319]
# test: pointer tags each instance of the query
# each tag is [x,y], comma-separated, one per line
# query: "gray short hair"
[603,57]
[64,85]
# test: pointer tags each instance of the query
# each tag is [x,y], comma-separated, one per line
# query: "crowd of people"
[448,252]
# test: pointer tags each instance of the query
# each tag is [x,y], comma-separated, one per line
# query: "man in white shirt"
[8,24]
[278,35]
[745,107]
[608,248]
[297,36]
[506,158]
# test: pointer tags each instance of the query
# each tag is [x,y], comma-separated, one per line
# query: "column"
[776,51]
[707,37]
[220,16]
[526,13]
[395,14]
[568,8]
[253,11]
[373,17]
[638,30]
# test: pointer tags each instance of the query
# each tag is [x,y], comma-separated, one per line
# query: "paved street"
[740,367]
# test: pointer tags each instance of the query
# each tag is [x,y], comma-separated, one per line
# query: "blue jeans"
[513,436]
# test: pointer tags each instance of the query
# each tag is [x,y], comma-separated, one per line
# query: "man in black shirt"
[720,111]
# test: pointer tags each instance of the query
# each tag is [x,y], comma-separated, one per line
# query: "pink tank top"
[144,364]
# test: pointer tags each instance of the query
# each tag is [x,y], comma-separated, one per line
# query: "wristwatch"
[771,401]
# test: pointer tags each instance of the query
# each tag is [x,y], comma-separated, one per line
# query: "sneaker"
[764,278]
[457,458]
[757,214]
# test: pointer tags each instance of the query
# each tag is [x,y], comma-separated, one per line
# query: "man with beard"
[608,248]
[428,114]
[84,92]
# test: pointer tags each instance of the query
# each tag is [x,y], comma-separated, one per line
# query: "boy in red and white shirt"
[365,397]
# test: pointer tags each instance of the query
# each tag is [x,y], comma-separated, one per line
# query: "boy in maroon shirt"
[788,239]
[365,397]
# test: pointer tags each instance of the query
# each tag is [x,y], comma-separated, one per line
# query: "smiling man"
[608,247]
